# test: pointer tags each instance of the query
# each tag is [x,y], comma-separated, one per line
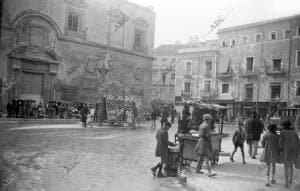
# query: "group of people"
[166,112]
[278,148]
[203,149]
[21,109]
[29,109]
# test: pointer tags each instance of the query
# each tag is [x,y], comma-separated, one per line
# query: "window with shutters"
[138,39]
[249,66]
[275,91]
[273,35]
[225,88]
[249,92]
[258,37]
[207,86]
[298,88]
[187,87]
[73,22]
[208,66]
[298,58]
[276,64]
[287,34]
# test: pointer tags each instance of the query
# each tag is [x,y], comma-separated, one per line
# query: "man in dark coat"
[254,128]
[164,116]
[9,109]
[162,143]
[173,114]
[84,114]
[203,148]
[289,143]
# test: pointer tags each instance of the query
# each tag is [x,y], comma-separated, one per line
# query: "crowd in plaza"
[280,142]
[30,109]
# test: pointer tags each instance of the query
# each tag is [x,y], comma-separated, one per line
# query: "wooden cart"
[188,143]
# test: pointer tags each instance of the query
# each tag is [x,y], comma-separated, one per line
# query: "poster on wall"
[115,107]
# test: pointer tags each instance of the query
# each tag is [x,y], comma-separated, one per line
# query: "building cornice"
[100,45]
[97,45]
[255,24]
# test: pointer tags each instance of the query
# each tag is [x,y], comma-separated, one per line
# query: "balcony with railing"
[188,74]
[186,94]
[277,72]
[224,75]
[248,73]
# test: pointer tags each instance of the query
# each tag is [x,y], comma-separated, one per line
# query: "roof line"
[257,23]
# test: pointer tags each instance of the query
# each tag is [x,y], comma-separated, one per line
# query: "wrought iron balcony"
[248,74]
[186,94]
[224,75]
[279,72]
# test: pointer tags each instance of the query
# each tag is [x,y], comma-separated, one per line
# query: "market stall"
[116,110]
[189,139]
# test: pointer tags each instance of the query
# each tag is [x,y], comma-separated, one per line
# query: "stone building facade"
[257,65]
[163,72]
[74,50]
[196,71]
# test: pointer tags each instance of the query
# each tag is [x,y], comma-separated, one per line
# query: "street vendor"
[162,143]
[203,148]
[183,124]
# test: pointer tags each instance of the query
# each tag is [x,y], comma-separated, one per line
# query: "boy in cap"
[238,140]
[162,143]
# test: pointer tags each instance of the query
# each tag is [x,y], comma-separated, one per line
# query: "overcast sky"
[177,20]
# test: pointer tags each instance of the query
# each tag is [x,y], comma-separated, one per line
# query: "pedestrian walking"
[134,114]
[162,143]
[289,144]
[90,119]
[254,128]
[173,114]
[186,115]
[270,155]
[203,148]
[154,116]
[164,116]
[84,113]
[9,108]
[238,140]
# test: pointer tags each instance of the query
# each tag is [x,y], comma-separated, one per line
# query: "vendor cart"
[188,143]
[189,140]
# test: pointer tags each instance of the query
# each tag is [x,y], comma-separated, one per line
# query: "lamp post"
[102,67]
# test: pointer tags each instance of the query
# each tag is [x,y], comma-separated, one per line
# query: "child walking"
[238,140]
[270,143]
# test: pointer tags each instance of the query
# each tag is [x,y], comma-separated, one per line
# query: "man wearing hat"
[254,128]
[203,148]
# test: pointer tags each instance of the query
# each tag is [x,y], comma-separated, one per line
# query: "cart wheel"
[215,159]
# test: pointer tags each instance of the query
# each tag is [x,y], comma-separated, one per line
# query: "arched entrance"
[34,70]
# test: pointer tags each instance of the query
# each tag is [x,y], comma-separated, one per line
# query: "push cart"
[189,140]
[188,143]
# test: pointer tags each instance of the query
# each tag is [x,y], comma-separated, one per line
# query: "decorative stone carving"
[141,22]
[137,89]
[78,3]
[139,73]
[89,83]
